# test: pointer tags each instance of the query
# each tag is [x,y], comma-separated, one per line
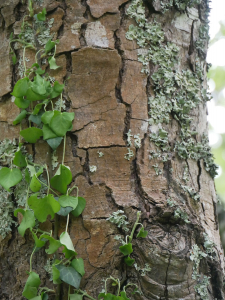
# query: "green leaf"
[32,170]
[78,265]
[76,297]
[80,207]
[49,46]
[37,108]
[32,134]
[43,207]
[66,200]
[56,275]
[53,244]
[32,96]
[20,117]
[20,88]
[19,159]
[48,133]
[27,176]
[69,275]
[61,122]
[58,88]
[142,233]
[31,286]
[38,242]
[36,118]
[65,240]
[35,185]
[42,15]
[54,143]
[39,71]
[62,178]
[47,116]
[129,261]
[22,103]
[52,63]
[38,85]
[27,222]
[64,211]
[37,298]
[124,295]
[126,249]
[10,177]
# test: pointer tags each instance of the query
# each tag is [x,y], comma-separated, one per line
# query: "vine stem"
[64,149]
[31,258]
[85,294]
[46,167]
[67,222]
[24,63]
[134,227]
[47,186]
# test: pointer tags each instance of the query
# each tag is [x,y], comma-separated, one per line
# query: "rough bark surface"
[109,96]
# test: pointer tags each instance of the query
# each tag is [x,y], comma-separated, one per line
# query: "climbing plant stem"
[67,222]
[134,227]
[31,259]
[64,149]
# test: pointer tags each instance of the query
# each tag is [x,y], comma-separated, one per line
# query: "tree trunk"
[140,119]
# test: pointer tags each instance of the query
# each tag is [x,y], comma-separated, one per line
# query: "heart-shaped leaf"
[69,250]
[43,207]
[9,177]
[48,133]
[80,207]
[58,88]
[36,118]
[27,222]
[69,275]
[66,200]
[54,143]
[31,286]
[142,233]
[47,116]
[62,178]
[126,249]
[35,185]
[129,261]
[38,242]
[32,96]
[52,63]
[20,117]
[56,275]
[19,159]
[22,103]
[38,85]
[61,122]
[53,244]
[32,134]
[78,265]
[49,46]
[20,88]
[42,15]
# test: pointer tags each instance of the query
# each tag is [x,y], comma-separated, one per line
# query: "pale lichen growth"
[100,154]
[119,219]
[93,169]
[129,154]
[54,160]
[144,270]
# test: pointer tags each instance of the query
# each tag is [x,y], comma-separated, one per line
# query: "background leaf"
[69,275]
[78,265]
[27,222]
[80,207]
[62,178]
[10,177]
[19,159]
[32,134]
[31,286]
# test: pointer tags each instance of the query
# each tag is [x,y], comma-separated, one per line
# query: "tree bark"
[109,95]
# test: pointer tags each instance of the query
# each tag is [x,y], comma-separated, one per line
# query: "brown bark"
[109,96]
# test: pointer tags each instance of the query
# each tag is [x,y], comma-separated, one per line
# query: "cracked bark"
[110,96]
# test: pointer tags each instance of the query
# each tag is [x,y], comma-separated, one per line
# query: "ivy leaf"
[22,103]
[20,88]
[65,240]
[124,295]
[36,118]
[32,96]
[61,122]
[62,178]
[56,275]
[38,242]
[66,200]
[48,133]
[31,286]
[32,134]
[126,249]
[42,15]
[54,143]
[52,63]
[38,85]
[76,297]
[27,176]
[10,177]
[80,207]
[32,170]
[142,233]
[64,211]
[47,116]
[35,185]
[69,275]
[49,46]
[58,88]
[20,117]
[37,108]
[19,159]
[37,298]
[43,207]
[53,244]
[27,222]
[129,261]
[78,265]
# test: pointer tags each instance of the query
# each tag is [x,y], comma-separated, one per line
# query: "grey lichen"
[144,270]
[100,154]
[93,169]
[119,219]
[129,154]
[178,212]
